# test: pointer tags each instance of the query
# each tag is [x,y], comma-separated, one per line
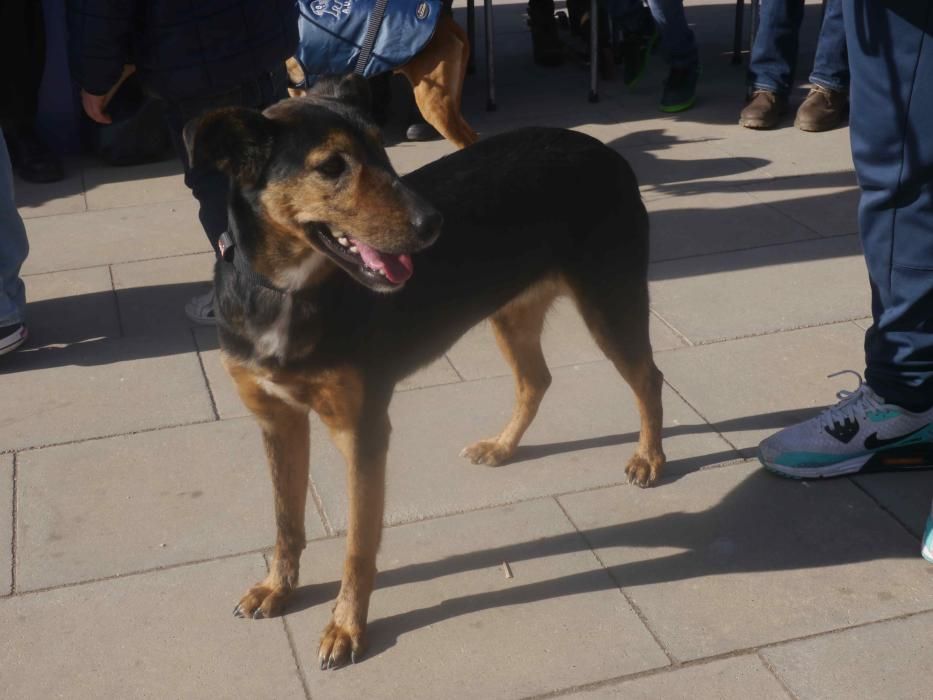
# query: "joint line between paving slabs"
[319,505]
[294,647]
[13,527]
[116,302]
[207,383]
[773,671]
[883,507]
[674,661]
[673,330]
[706,420]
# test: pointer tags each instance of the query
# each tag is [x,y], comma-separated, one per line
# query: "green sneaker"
[636,47]
[680,89]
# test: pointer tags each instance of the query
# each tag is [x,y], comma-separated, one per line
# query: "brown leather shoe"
[764,111]
[823,110]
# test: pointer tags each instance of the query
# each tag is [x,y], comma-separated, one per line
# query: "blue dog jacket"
[333,33]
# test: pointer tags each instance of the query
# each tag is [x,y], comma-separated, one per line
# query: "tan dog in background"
[436,74]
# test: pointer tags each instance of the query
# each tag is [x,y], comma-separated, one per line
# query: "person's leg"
[677,39]
[774,54]
[680,49]
[831,63]
[887,423]
[14,247]
[827,103]
[772,64]
[891,53]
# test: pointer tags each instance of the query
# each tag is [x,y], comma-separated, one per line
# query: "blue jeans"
[891,53]
[774,54]
[13,247]
[677,40]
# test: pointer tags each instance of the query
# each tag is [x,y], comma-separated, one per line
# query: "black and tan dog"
[339,278]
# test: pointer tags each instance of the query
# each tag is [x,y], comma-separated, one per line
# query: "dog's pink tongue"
[397,268]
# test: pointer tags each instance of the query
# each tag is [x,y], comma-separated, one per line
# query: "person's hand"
[94,106]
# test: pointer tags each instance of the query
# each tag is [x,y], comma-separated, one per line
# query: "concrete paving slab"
[107,387]
[118,235]
[152,294]
[751,292]
[71,307]
[109,187]
[445,622]
[826,203]
[202,491]
[791,151]
[863,323]
[6,524]
[750,388]
[733,558]
[715,222]
[583,436]
[886,660]
[566,341]
[729,679]
[34,199]
[165,634]
[906,495]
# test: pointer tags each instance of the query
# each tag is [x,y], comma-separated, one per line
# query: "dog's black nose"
[427,222]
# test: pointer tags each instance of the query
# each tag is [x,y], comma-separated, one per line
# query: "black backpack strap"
[372,28]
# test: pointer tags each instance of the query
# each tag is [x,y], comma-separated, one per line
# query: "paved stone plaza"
[135,507]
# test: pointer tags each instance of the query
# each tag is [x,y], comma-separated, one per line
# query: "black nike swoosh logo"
[873,442]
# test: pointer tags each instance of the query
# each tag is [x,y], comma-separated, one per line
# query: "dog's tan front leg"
[364,445]
[285,434]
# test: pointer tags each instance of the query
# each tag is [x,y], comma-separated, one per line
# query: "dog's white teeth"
[344,241]
[382,272]
[353,249]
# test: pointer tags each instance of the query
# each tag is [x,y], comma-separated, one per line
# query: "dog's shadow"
[804,527]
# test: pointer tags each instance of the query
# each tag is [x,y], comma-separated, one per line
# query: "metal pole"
[490,57]
[594,52]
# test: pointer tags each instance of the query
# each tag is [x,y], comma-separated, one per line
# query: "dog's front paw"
[643,471]
[341,644]
[262,601]
[489,452]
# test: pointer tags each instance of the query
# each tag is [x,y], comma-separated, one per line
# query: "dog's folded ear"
[235,140]
[350,89]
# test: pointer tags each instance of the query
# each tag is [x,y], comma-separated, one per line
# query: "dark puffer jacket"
[182,48]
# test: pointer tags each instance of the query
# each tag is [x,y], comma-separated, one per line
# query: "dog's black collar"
[227,247]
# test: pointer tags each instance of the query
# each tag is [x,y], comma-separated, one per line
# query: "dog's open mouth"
[372,267]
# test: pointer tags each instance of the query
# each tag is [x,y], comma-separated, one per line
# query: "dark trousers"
[891,125]
[22,62]
[210,186]
[774,55]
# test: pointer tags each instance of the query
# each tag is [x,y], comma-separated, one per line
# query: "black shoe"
[11,337]
[32,160]
[680,89]
[421,131]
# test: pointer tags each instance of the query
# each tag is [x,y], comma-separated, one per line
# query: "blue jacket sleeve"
[100,35]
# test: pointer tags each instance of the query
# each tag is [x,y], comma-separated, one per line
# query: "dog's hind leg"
[615,309]
[360,428]
[518,327]
[285,434]
[436,74]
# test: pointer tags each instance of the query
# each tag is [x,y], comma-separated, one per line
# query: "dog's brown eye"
[332,167]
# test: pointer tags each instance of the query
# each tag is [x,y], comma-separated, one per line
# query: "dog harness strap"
[366,49]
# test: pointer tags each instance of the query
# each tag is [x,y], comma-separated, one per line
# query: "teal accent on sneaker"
[860,433]
[926,551]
